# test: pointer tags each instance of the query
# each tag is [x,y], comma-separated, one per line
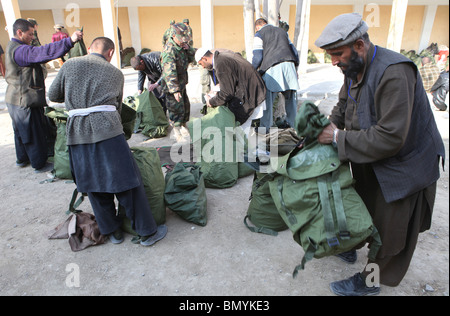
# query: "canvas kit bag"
[314,194]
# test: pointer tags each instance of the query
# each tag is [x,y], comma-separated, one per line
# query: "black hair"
[23,25]
[104,42]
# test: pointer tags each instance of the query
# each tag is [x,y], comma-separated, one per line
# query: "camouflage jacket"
[175,61]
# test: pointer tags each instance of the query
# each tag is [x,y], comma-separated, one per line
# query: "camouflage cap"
[181,32]
[32,21]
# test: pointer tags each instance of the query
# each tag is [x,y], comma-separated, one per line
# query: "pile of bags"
[312,192]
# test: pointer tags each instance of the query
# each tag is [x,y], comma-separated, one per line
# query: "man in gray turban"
[383,125]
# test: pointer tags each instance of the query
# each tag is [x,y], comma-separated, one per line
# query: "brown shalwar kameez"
[398,222]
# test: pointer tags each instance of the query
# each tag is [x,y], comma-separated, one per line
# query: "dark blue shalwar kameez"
[105,170]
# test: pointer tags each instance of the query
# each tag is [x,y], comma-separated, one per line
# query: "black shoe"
[22,164]
[150,240]
[353,286]
[116,237]
[46,168]
[349,256]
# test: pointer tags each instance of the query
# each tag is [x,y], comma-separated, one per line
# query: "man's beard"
[354,67]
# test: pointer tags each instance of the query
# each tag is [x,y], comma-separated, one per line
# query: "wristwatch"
[334,142]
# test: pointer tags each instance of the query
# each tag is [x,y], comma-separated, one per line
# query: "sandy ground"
[221,259]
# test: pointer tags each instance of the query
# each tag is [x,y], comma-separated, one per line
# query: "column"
[135,29]
[274,7]
[58,17]
[301,37]
[249,27]
[427,27]
[207,18]
[397,25]
[110,27]
[11,11]
[258,13]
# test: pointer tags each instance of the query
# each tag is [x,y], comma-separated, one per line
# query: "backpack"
[262,211]
[314,194]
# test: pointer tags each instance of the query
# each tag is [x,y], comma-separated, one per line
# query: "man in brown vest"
[25,94]
[383,125]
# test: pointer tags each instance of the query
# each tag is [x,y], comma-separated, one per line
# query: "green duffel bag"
[79,49]
[151,120]
[128,116]
[221,172]
[148,162]
[262,211]
[185,193]
[61,163]
[314,194]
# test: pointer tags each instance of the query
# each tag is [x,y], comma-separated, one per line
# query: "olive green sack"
[185,193]
[222,172]
[61,160]
[262,211]
[151,120]
[313,191]
[149,164]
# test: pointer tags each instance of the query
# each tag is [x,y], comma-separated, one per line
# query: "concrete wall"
[321,15]
[154,21]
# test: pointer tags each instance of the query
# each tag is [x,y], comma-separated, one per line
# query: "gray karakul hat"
[342,30]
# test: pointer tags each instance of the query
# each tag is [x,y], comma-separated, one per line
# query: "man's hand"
[207,98]
[153,86]
[76,36]
[177,96]
[326,137]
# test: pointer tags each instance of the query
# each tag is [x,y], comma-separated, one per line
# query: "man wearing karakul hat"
[383,125]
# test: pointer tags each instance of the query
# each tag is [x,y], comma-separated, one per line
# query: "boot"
[176,134]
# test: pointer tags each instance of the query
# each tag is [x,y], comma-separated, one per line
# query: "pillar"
[110,28]
[207,18]
[135,29]
[301,37]
[427,26]
[11,11]
[397,25]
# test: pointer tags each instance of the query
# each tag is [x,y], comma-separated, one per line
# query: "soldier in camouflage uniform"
[191,34]
[175,59]
[167,33]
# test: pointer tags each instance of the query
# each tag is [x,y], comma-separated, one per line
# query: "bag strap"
[290,215]
[261,230]
[339,206]
[375,244]
[326,210]
[74,203]
[309,255]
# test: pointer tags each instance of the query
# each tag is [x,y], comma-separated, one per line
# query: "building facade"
[220,23]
